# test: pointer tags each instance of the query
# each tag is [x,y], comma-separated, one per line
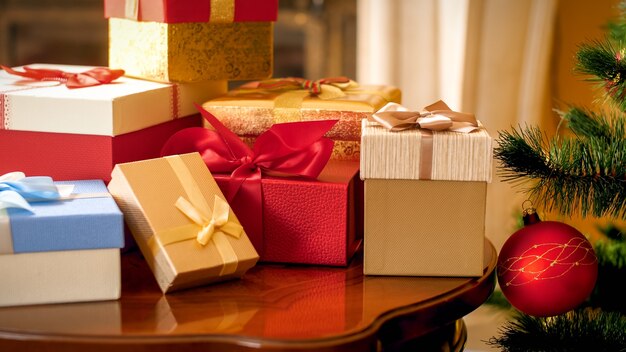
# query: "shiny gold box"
[250,112]
[191,51]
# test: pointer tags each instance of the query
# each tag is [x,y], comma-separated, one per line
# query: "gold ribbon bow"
[215,223]
[434,117]
[324,88]
[293,91]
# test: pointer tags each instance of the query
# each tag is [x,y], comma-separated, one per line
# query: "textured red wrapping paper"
[177,11]
[308,222]
[65,156]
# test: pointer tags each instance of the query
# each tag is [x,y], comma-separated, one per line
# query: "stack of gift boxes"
[210,181]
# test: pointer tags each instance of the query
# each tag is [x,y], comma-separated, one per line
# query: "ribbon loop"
[16,190]
[212,223]
[435,117]
[93,77]
[293,149]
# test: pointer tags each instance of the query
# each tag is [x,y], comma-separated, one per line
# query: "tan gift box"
[149,193]
[424,228]
[425,191]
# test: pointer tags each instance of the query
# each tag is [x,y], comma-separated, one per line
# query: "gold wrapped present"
[181,221]
[254,107]
[191,51]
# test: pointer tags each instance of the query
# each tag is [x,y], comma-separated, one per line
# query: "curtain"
[490,57]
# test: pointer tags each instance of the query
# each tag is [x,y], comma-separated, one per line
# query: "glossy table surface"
[274,307]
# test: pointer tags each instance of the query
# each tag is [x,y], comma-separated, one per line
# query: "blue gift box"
[90,220]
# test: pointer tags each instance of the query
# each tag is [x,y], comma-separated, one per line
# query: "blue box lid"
[81,223]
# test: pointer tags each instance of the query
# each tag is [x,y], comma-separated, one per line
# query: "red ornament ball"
[547,268]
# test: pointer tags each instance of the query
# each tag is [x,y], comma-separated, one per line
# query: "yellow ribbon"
[435,117]
[222,11]
[288,104]
[214,224]
[131,9]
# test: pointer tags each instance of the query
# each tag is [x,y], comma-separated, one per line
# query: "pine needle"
[581,330]
[583,174]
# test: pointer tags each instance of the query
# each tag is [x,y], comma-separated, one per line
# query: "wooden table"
[274,308]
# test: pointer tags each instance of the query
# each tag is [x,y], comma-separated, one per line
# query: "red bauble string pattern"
[547,261]
[547,268]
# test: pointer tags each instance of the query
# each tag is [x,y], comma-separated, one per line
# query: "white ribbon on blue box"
[39,215]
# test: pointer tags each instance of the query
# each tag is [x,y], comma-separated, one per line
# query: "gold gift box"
[191,52]
[424,228]
[147,193]
[250,112]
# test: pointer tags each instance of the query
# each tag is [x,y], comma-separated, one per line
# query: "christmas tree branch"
[607,65]
[586,173]
[579,330]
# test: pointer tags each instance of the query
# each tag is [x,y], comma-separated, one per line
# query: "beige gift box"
[424,228]
[425,196]
[149,193]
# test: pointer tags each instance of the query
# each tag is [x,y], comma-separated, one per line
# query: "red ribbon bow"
[287,149]
[93,77]
[314,87]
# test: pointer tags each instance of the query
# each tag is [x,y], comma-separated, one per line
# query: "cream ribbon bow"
[212,224]
[434,117]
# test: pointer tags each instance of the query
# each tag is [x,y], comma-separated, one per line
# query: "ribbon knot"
[434,117]
[211,224]
[17,190]
[93,77]
[248,164]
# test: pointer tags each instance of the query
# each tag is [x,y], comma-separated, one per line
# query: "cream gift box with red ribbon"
[425,174]
[124,105]
[51,128]
[181,221]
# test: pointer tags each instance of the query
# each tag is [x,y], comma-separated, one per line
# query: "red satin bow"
[314,87]
[287,149]
[93,77]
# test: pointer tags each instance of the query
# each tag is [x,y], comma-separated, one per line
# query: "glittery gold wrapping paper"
[190,52]
[252,112]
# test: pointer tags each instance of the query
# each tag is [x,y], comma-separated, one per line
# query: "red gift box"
[295,205]
[176,11]
[67,156]
[307,221]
